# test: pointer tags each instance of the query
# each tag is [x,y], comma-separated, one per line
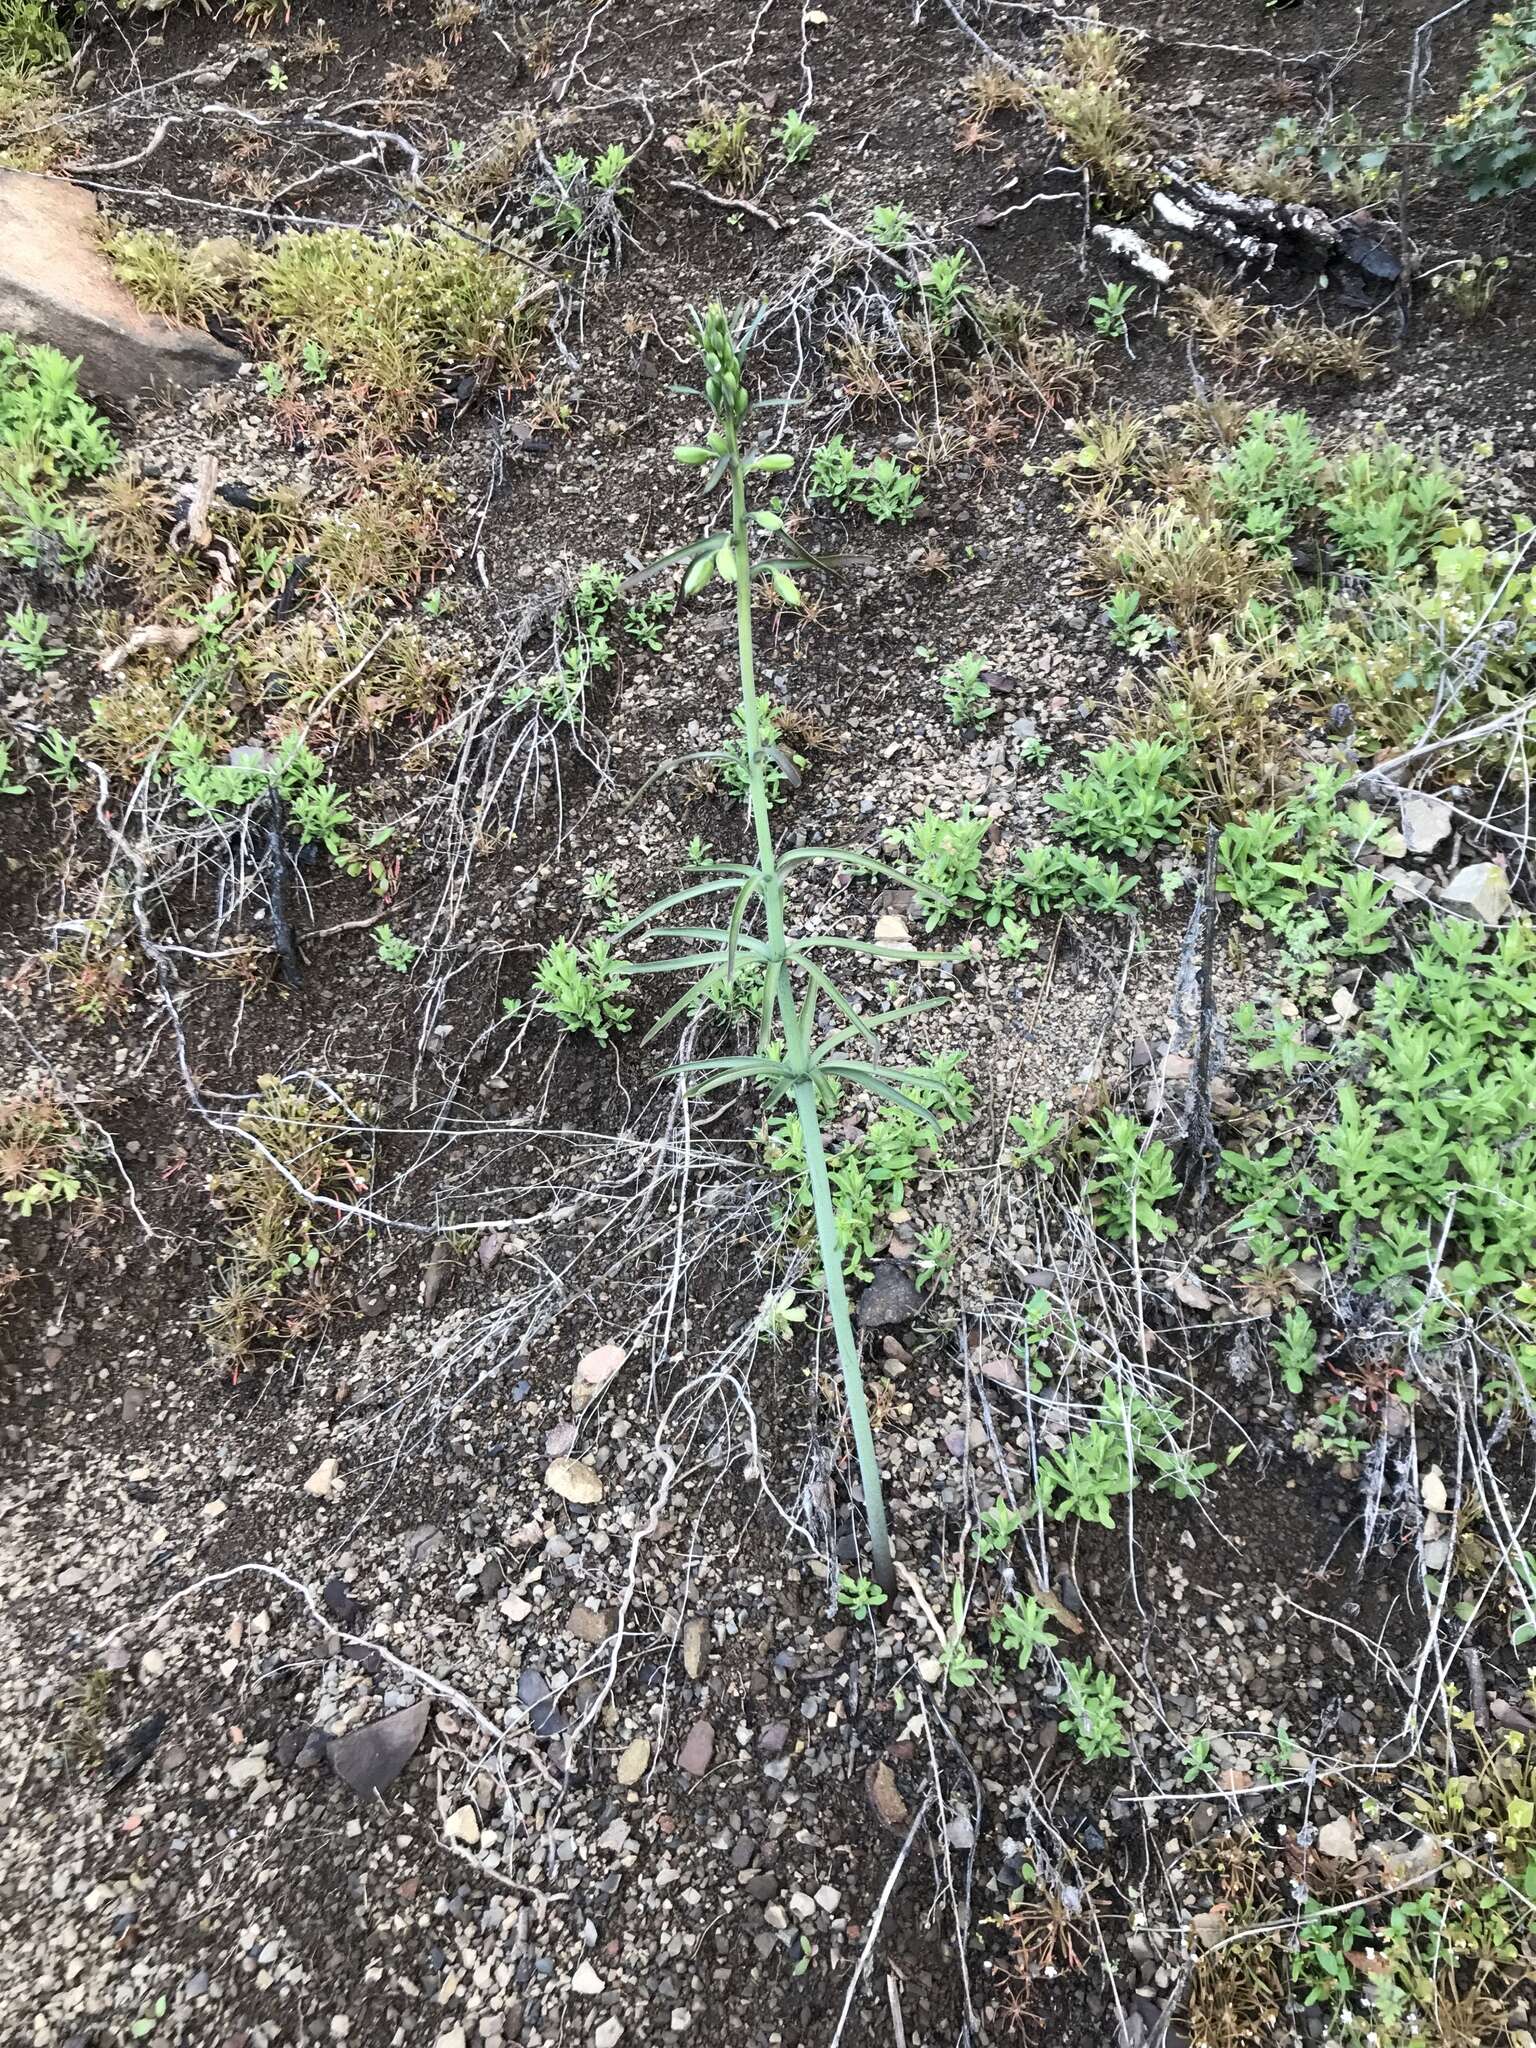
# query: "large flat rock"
[56,286]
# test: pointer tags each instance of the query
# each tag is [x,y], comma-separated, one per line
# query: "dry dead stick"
[730,205]
[1199,1126]
[898,2027]
[123,163]
[172,640]
[1054,1607]
[1477,1689]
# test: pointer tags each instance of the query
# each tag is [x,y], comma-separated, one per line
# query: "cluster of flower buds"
[723,387]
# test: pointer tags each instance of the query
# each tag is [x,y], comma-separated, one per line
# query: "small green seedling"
[26,640]
[1131,628]
[395,952]
[1091,1712]
[959,1665]
[944,290]
[966,697]
[583,991]
[780,1317]
[935,1256]
[890,228]
[1296,1350]
[888,492]
[999,1525]
[860,1596]
[1197,1759]
[797,137]
[1111,311]
[1020,1629]
[1038,1134]
[601,890]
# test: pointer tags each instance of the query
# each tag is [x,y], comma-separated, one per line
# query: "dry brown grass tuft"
[1221,703]
[1187,569]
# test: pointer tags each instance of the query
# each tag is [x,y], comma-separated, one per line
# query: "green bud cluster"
[723,387]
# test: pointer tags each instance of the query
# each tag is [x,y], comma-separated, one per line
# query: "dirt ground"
[661,1785]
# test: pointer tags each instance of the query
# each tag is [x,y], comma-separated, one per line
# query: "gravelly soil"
[664,1783]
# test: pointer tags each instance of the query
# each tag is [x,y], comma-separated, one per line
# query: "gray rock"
[1482,888]
[1426,821]
[57,287]
[370,1758]
[544,1717]
[890,1299]
[695,1648]
[698,1751]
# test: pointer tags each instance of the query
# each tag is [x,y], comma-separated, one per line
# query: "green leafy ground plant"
[50,439]
[1491,137]
[1420,1186]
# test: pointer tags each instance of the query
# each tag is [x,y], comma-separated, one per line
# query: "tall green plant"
[789,1063]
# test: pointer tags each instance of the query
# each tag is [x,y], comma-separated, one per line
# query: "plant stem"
[842,1329]
[796,1050]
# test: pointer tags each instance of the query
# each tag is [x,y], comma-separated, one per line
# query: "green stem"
[842,1329]
[796,1050]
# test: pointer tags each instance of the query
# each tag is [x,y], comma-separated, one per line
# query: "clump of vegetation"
[32,45]
[1185,568]
[1471,287]
[726,145]
[1086,97]
[1304,351]
[1294,348]
[1127,800]
[28,641]
[30,36]
[1286,574]
[168,277]
[947,856]
[1130,800]
[883,487]
[1491,136]
[299,1162]
[1111,310]
[583,988]
[584,652]
[382,319]
[50,439]
[481,173]
[47,1157]
[779,762]
[217,790]
[1046,879]
[1300,160]
[580,200]
[341,662]
[1436,1226]
[1133,1181]
[1129,1438]
[1432,1946]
